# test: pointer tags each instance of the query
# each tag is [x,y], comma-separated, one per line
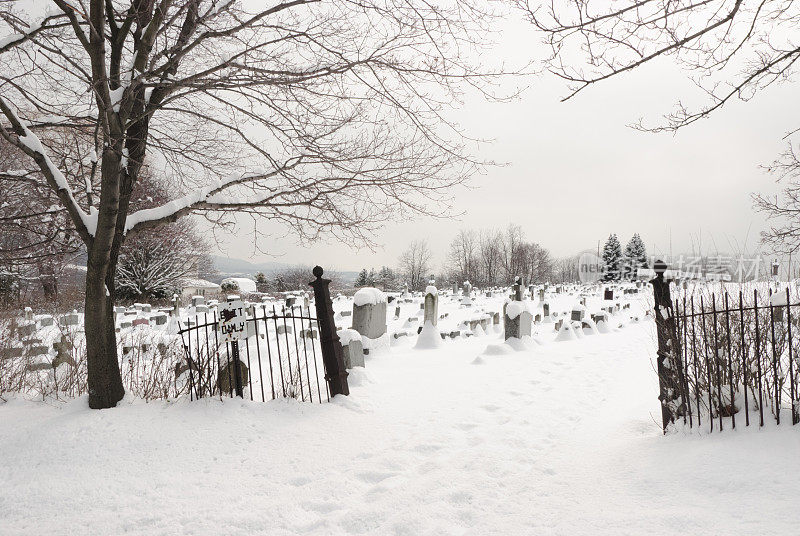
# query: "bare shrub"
[732,350]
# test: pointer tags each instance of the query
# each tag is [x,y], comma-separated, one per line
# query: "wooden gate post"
[332,354]
[669,362]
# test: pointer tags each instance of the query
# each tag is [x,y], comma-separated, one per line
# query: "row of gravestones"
[520,324]
[145,347]
[33,348]
[32,323]
[369,320]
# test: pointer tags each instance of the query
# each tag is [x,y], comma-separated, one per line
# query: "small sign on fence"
[232,321]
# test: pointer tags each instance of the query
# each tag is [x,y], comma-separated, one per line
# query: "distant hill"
[228,267]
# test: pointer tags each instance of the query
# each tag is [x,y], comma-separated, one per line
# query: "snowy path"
[559,440]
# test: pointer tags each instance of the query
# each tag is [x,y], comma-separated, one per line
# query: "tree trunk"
[48,279]
[105,381]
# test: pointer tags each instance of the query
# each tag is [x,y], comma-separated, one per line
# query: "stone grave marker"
[431,306]
[369,313]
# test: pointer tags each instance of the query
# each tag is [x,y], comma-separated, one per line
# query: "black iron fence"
[282,356]
[729,358]
[279,358]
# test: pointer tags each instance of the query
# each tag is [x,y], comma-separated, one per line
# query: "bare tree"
[565,270]
[463,257]
[294,278]
[732,49]
[37,236]
[783,211]
[538,263]
[153,262]
[415,264]
[323,116]
[512,252]
[490,246]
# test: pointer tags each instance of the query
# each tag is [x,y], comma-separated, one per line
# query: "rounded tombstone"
[226,379]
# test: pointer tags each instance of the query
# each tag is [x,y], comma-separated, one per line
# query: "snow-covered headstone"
[369,312]
[352,348]
[431,305]
[517,320]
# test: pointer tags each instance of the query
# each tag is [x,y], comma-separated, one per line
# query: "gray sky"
[576,172]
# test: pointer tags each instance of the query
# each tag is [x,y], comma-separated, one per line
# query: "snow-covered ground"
[560,439]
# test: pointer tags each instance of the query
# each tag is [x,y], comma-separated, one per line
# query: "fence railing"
[282,355]
[729,358]
[280,358]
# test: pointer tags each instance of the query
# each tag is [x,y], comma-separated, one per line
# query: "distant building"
[198,287]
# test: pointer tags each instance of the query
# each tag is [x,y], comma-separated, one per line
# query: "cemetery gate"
[286,352]
[726,360]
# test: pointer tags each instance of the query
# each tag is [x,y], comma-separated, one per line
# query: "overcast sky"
[576,172]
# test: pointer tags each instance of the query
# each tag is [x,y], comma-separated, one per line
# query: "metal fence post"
[669,366]
[332,354]
[237,369]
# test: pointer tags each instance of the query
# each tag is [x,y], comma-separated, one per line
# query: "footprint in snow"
[323,507]
[467,425]
[426,447]
[374,477]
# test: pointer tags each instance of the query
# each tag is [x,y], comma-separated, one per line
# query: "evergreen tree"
[612,259]
[361,280]
[371,277]
[386,278]
[635,256]
[262,283]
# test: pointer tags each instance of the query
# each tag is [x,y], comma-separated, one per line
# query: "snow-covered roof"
[242,283]
[189,282]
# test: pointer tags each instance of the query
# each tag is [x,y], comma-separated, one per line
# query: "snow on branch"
[176,208]
[30,144]
[25,32]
